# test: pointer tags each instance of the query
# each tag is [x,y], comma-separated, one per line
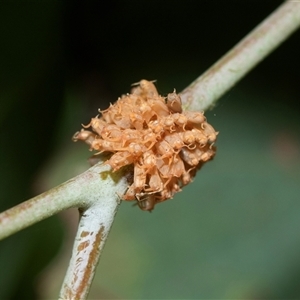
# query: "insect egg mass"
[165,144]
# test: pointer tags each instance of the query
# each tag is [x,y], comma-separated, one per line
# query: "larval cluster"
[165,144]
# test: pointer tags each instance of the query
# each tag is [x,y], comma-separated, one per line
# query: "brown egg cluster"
[165,144]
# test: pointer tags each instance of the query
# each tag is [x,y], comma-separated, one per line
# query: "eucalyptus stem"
[96,220]
[92,186]
[96,191]
[226,72]
[94,226]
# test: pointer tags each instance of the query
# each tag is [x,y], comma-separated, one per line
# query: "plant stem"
[225,73]
[96,191]
[200,95]
[95,223]
[81,191]
[93,229]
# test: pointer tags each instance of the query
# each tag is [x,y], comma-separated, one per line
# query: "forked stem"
[94,186]
[96,191]
[94,226]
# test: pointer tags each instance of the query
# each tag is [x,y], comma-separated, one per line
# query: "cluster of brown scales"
[165,144]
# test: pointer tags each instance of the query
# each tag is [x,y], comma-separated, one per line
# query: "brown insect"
[165,145]
[174,102]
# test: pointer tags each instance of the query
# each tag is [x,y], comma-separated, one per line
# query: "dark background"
[61,61]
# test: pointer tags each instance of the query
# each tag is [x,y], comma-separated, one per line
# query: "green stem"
[96,190]
[91,236]
[82,191]
[225,73]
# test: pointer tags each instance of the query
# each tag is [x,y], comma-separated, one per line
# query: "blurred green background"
[234,232]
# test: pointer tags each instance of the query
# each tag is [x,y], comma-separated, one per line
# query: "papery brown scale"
[180,120]
[136,120]
[189,156]
[168,123]
[97,125]
[209,131]
[164,149]
[207,155]
[120,159]
[148,161]
[136,149]
[150,138]
[174,186]
[105,145]
[146,112]
[111,133]
[136,91]
[194,117]
[163,166]
[131,135]
[200,137]
[122,121]
[155,183]
[198,152]
[165,145]
[177,167]
[174,102]
[107,114]
[188,137]
[159,107]
[137,101]
[84,135]
[140,177]
[156,127]
[186,177]
[174,140]
[148,88]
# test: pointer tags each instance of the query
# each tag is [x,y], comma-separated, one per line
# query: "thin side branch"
[225,73]
[96,191]
[93,229]
[82,191]
[95,223]
[200,95]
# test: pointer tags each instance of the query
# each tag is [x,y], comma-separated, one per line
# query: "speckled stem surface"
[95,223]
[96,191]
[95,185]
[225,73]
[93,230]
